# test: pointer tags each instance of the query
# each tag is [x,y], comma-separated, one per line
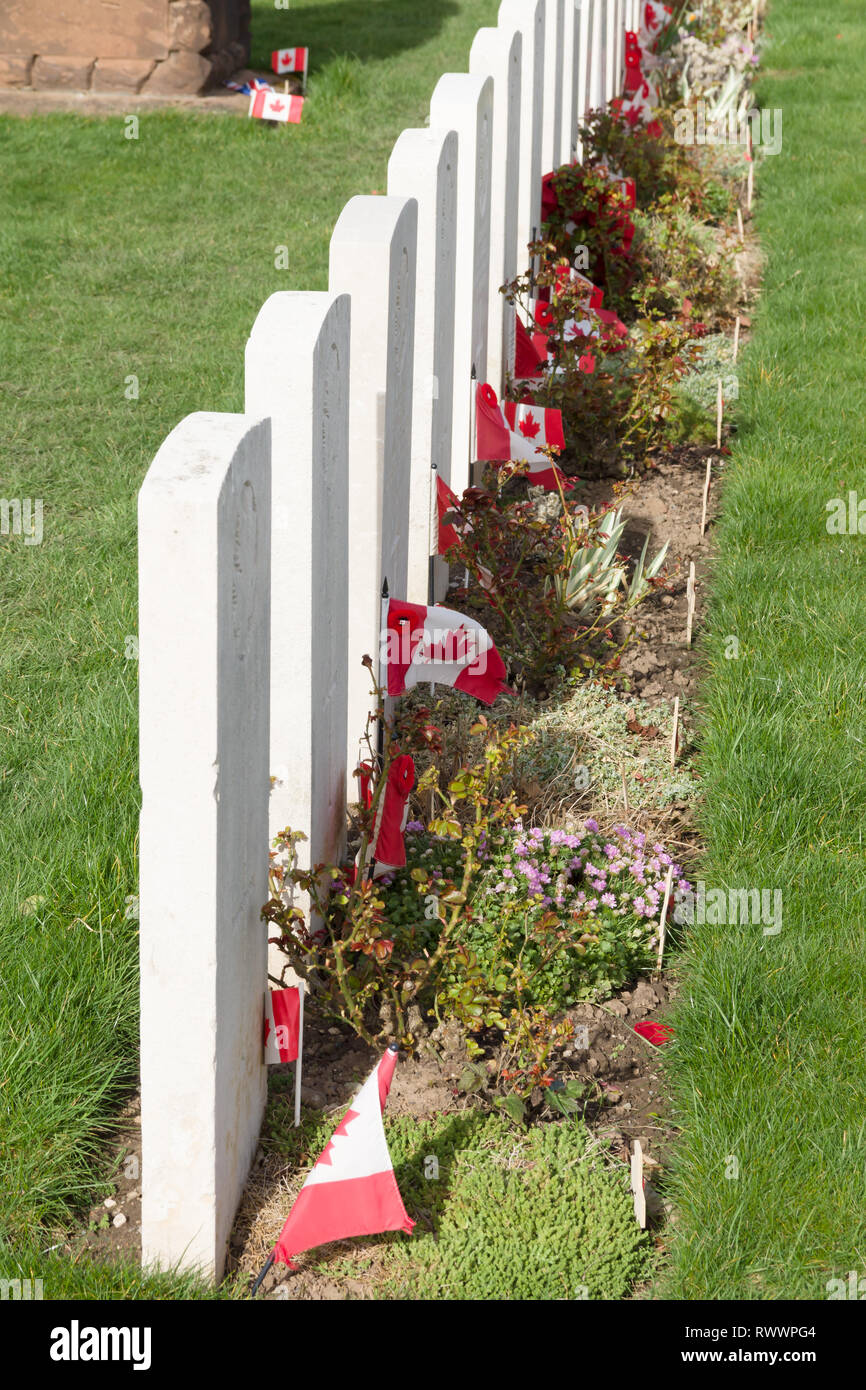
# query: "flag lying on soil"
[274,106]
[290,60]
[519,434]
[283,1014]
[352,1190]
[442,647]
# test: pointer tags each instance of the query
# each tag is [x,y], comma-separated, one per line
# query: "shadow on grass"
[369,30]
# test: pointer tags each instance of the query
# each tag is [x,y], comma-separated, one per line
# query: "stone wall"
[154,46]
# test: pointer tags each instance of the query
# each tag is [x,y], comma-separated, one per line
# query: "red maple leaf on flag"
[455,647]
[529,426]
[325,1155]
[277,106]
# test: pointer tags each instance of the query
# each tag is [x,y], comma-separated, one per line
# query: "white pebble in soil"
[119,1220]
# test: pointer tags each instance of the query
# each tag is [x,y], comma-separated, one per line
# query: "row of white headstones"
[264,539]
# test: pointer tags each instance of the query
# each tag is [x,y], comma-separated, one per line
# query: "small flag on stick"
[275,106]
[285,60]
[284,1033]
[421,643]
[352,1190]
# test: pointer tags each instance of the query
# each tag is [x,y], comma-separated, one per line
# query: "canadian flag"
[352,1190]
[446,531]
[290,60]
[518,433]
[283,1022]
[423,644]
[654,19]
[386,842]
[274,106]
[529,356]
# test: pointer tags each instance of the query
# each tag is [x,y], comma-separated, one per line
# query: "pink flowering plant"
[570,916]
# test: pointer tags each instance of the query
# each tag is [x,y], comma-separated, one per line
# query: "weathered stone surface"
[121,74]
[181,72]
[103,28]
[72,74]
[15,71]
[190,25]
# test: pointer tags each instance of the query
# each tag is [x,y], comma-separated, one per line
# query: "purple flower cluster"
[586,873]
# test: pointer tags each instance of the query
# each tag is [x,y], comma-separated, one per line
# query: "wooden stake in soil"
[637,1185]
[690,601]
[736,338]
[720,406]
[706,497]
[740,227]
[624,788]
[675,736]
[663,919]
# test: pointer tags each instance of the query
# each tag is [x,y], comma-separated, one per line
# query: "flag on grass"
[352,1190]
[274,106]
[285,60]
[255,84]
[283,1011]
[519,434]
[434,644]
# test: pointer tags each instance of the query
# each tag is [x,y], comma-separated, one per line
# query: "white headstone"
[423,166]
[610,51]
[570,78]
[584,13]
[597,55]
[497,53]
[464,102]
[528,17]
[297,372]
[551,130]
[373,259]
[204,685]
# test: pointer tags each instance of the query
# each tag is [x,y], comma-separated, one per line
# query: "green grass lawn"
[144,258]
[770,1063]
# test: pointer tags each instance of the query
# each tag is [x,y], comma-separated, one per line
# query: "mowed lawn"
[144,259]
[770,1061]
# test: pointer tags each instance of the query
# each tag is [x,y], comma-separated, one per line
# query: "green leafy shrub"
[517,1216]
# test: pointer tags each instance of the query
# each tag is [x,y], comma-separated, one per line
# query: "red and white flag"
[447,534]
[436,645]
[529,355]
[654,19]
[633,76]
[283,1014]
[352,1190]
[518,433]
[386,845]
[290,60]
[274,106]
